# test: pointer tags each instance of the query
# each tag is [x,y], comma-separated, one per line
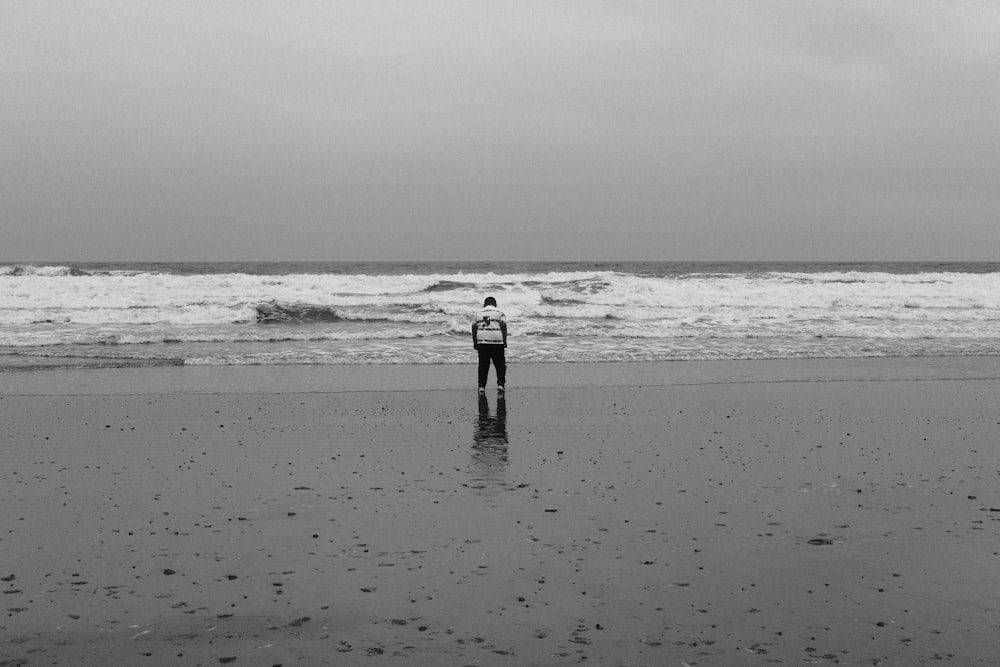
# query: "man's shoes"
[482,390]
[500,388]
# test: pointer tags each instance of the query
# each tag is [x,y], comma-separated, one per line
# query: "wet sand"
[819,512]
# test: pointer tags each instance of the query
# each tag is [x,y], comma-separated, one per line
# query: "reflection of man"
[489,442]
[491,431]
[489,337]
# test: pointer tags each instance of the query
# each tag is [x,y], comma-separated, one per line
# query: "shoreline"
[418,377]
[720,513]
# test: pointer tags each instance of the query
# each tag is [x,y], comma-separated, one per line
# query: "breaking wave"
[384,314]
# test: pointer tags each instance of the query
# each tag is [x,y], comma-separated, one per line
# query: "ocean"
[75,315]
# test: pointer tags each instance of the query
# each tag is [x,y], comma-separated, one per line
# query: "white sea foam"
[558,315]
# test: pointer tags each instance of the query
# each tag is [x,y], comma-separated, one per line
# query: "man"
[489,338]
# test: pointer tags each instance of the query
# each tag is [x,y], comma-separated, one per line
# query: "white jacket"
[488,330]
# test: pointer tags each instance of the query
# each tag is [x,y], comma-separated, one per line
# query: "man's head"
[490,301]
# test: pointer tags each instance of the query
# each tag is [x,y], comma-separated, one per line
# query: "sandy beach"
[733,513]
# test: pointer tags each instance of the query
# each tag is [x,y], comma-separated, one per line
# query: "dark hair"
[490,301]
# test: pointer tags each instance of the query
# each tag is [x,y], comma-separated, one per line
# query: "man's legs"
[501,365]
[484,363]
[494,353]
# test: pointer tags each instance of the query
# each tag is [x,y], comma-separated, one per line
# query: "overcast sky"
[667,130]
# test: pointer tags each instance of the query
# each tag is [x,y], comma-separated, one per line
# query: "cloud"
[392,130]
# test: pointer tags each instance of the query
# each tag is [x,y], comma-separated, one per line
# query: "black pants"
[494,353]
